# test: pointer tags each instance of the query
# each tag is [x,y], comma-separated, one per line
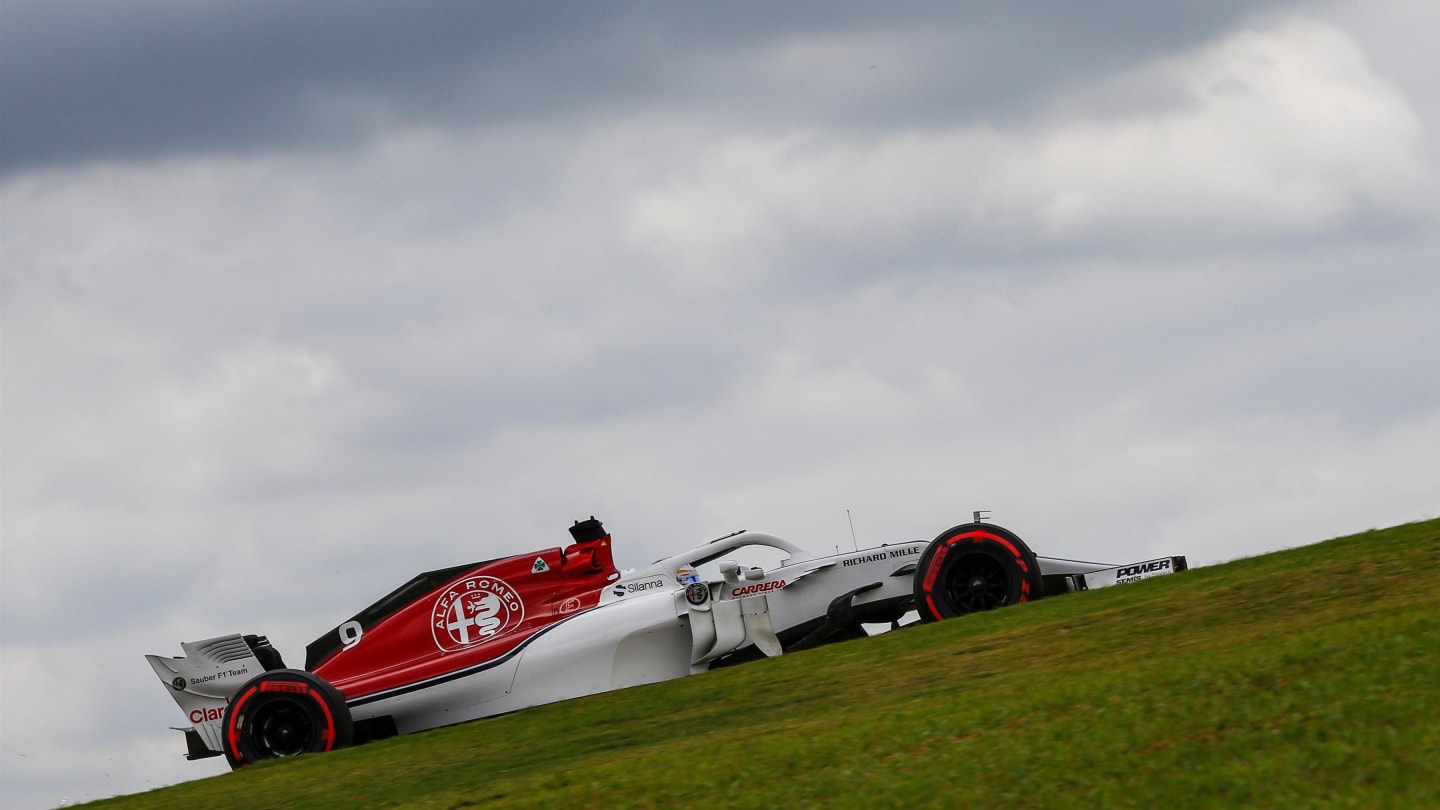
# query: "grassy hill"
[1309,677]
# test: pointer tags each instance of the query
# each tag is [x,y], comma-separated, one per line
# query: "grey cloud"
[85,81]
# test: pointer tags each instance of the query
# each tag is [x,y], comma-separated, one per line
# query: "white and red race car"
[492,637]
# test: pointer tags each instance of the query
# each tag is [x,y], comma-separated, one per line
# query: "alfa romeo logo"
[474,609]
[697,593]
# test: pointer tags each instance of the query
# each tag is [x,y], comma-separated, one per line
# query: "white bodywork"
[644,630]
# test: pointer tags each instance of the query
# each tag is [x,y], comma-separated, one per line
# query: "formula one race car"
[492,637]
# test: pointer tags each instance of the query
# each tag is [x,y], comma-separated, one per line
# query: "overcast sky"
[302,299]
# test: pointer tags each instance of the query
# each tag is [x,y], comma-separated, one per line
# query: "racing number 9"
[350,633]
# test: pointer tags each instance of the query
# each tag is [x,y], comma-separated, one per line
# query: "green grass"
[1306,678]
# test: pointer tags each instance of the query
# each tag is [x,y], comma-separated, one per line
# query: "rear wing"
[203,680]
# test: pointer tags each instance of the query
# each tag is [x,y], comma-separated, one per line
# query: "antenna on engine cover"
[852,529]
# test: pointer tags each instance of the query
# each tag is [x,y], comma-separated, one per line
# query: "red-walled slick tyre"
[974,567]
[285,713]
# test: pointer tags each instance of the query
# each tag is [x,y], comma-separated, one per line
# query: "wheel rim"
[283,730]
[977,582]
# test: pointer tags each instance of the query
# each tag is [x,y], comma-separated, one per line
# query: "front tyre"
[285,713]
[974,567]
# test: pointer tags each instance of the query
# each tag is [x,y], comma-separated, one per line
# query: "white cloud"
[1270,134]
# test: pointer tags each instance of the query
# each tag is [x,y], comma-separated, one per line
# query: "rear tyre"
[285,713]
[974,567]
